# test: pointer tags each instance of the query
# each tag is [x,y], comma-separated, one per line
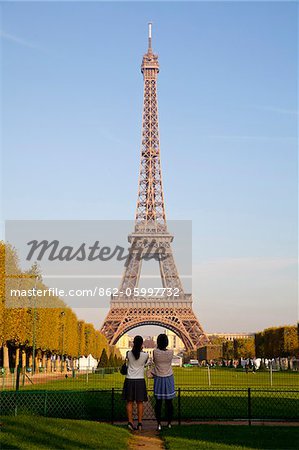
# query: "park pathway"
[147,439]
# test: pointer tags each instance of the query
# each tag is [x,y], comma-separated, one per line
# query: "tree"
[277,342]
[111,360]
[103,359]
[216,340]
[27,321]
[100,343]
[290,347]
[81,337]
[228,350]
[244,348]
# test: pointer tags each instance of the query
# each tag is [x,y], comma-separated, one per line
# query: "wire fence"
[185,377]
[190,404]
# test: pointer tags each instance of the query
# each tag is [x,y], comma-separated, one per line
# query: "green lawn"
[34,433]
[25,432]
[193,377]
[231,437]
[229,377]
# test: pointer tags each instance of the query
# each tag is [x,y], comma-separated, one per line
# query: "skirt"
[134,390]
[164,387]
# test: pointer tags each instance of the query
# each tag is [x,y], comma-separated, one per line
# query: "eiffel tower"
[129,311]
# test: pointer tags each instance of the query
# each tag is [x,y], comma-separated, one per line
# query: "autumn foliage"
[277,342]
[57,329]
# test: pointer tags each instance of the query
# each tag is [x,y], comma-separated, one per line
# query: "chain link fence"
[189,404]
[185,378]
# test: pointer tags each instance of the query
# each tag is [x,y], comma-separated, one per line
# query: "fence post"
[18,378]
[45,404]
[249,406]
[112,405]
[209,376]
[271,375]
[179,406]
[16,403]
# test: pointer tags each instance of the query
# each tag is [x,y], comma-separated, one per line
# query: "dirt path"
[9,381]
[147,439]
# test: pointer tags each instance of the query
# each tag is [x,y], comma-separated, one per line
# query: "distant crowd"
[255,363]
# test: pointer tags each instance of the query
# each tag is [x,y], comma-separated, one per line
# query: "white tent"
[88,363]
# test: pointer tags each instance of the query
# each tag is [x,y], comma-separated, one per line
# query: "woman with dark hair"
[163,379]
[134,389]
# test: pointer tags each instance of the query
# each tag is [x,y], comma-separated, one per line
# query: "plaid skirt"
[134,390]
[164,387]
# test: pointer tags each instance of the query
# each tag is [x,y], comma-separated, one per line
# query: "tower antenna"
[150,36]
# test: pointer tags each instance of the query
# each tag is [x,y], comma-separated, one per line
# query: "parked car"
[194,362]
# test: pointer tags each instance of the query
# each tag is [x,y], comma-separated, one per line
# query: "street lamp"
[62,314]
[34,326]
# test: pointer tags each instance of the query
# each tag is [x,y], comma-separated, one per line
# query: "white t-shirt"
[136,366]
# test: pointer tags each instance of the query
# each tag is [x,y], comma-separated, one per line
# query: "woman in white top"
[134,386]
[163,379]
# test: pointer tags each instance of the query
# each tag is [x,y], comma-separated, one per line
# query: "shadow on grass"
[218,436]
[25,432]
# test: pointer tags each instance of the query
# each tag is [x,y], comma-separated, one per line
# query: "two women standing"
[134,389]
[134,386]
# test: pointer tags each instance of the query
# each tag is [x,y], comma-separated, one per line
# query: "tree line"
[51,330]
[277,342]
[272,342]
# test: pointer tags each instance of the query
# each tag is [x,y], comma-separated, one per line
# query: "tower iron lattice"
[175,312]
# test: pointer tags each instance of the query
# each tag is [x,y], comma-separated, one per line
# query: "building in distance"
[125,343]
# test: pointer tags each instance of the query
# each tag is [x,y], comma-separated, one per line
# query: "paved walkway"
[150,425]
[244,422]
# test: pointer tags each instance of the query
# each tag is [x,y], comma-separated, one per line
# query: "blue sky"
[71,118]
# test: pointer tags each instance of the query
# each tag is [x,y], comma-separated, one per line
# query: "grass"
[185,377]
[231,437]
[192,377]
[229,377]
[25,432]
[35,433]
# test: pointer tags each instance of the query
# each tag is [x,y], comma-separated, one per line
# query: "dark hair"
[162,342]
[137,344]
